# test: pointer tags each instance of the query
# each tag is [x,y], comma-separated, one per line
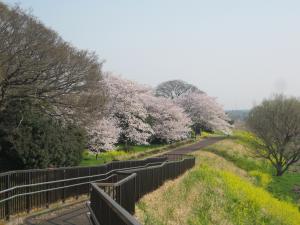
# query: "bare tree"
[277,123]
[174,88]
[36,64]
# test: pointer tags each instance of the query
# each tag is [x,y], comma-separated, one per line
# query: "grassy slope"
[227,186]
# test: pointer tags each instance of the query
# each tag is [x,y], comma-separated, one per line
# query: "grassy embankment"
[228,185]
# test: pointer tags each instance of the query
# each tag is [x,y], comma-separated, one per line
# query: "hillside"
[227,186]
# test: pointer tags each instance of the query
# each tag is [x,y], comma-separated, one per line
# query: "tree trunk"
[126,146]
[279,170]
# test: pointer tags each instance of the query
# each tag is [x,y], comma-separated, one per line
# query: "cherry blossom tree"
[204,111]
[168,121]
[103,135]
[126,107]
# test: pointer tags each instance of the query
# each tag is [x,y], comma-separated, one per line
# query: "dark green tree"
[32,139]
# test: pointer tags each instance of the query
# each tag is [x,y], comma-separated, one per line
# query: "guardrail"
[21,191]
[113,201]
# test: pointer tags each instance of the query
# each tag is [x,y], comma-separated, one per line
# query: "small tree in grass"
[103,135]
[277,123]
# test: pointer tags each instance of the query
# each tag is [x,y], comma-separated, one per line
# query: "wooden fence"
[113,201]
[24,190]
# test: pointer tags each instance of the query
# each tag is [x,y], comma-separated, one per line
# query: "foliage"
[277,123]
[31,139]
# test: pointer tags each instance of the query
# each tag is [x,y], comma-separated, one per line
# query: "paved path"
[77,214]
[70,215]
[194,147]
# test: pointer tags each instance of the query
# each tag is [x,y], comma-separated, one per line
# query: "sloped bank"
[215,191]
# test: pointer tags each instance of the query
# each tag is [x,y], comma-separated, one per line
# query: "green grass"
[89,159]
[229,185]
[283,187]
[139,148]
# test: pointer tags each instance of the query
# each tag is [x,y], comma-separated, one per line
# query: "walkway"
[77,214]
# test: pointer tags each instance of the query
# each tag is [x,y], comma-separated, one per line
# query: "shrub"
[32,139]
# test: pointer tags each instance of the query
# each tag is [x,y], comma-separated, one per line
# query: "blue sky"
[238,51]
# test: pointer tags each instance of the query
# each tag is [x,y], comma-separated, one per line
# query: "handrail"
[65,186]
[125,216]
[129,176]
[72,179]
[16,196]
[91,214]
[112,202]
[51,189]
[70,167]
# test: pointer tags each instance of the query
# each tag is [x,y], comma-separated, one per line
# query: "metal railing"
[21,191]
[113,201]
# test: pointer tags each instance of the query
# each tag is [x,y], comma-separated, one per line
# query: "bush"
[32,139]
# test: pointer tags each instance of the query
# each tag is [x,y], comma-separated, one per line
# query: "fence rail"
[21,191]
[113,201]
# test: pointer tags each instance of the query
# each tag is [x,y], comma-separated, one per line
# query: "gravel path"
[77,214]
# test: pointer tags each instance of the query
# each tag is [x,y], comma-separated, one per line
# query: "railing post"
[77,187]
[64,183]
[7,195]
[89,185]
[27,196]
[47,187]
